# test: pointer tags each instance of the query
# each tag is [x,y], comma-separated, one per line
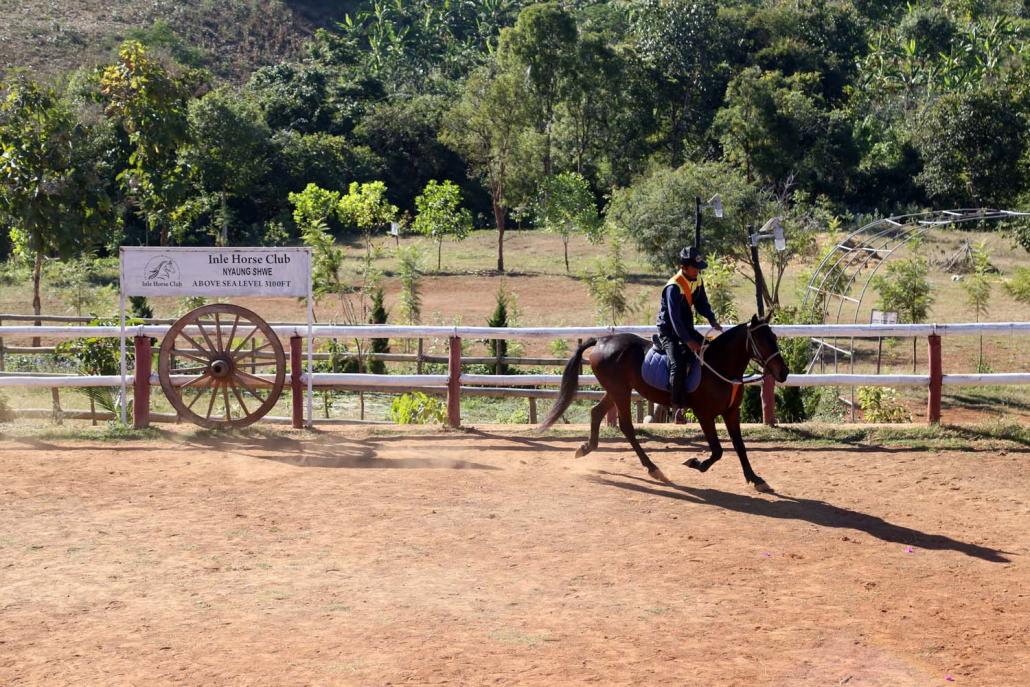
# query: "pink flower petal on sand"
[949,678]
[909,549]
[767,555]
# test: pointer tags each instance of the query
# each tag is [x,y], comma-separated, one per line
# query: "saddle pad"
[655,371]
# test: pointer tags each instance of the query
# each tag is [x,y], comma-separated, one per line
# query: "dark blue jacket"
[676,315]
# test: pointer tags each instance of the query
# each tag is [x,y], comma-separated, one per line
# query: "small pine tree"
[410,258]
[499,347]
[978,291]
[378,316]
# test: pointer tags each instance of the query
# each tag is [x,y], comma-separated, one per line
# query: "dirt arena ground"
[356,558]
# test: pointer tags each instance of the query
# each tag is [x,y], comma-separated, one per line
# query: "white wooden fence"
[456,383]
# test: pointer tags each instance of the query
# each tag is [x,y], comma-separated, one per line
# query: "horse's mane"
[727,337]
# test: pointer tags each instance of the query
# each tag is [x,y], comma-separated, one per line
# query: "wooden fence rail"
[456,383]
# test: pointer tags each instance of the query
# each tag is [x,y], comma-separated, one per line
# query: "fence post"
[296,385]
[769,400]
[532,410]
[933,403]
[454,382]
[141,383]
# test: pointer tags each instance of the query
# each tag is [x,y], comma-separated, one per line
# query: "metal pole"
[753,240]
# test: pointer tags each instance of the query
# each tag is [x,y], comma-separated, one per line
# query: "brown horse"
[616,362]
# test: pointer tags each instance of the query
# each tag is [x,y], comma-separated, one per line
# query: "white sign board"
[882,317]
[215,272]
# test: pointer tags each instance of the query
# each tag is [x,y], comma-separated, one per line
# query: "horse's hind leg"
[622,404]
[597,414]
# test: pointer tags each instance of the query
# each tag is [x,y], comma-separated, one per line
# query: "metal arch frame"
[899,230]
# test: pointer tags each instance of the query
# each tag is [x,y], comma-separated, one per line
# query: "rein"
[753,355]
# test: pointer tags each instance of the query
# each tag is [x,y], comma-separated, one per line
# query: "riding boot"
[678,359]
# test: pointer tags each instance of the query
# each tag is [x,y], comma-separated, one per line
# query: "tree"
[410,272]
[366,207]
[487,128]
[542,46]
[51,193]
[566,207]
[228,154]
[972,145]
[149,102]
[499,318]
[679,42]
[440,214]
[607,283]
[378,315]
[977,286]
[905,289]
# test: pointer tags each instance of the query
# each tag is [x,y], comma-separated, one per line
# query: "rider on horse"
[683,295]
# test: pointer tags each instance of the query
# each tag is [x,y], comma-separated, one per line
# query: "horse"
[616,362]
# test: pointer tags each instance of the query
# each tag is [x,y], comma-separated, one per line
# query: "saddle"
[655,369]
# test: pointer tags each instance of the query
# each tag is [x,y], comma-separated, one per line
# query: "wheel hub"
[221,368]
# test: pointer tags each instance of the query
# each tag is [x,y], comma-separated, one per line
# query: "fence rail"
[455,383]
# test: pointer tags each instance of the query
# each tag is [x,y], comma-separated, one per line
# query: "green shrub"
[1019,285]
[881,404]
[416,408]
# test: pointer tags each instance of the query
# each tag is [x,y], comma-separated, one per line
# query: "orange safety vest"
[686,287]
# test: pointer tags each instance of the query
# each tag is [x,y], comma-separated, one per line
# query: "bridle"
[753,354]
[752,348]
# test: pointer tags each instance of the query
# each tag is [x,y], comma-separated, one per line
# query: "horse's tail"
[569,385]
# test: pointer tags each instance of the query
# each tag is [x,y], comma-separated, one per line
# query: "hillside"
[231,37]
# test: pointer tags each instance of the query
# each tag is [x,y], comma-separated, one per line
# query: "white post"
[121,334]
[311,343]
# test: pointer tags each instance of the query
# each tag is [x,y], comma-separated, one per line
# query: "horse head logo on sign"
[161,271]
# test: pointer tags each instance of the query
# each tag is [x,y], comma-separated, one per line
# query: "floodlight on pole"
[716,204]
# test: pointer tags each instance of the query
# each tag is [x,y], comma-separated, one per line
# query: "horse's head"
[762,347]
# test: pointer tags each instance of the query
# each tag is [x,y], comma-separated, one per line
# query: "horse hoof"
[693,463]
[580,452]
[659,475]
[764,487]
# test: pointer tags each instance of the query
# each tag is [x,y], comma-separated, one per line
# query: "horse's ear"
[754,319]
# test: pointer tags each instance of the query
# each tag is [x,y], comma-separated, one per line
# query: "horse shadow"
[813,511]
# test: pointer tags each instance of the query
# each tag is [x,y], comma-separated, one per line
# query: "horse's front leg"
[708,427]
[732,419]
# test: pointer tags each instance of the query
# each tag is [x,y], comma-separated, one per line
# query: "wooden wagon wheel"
[216,366]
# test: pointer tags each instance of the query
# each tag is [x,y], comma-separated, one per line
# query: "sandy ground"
[472,558]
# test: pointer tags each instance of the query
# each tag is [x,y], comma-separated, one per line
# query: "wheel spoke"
[187,370]
[261,382]
[200,326]
[249,390]
[256,363]
[232,333]
[218,332]
[245,339]
[238,395]
[193,381]
[200,392]
[267,344]
[184,354]
[211,405]
[225,397]
[194,343]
